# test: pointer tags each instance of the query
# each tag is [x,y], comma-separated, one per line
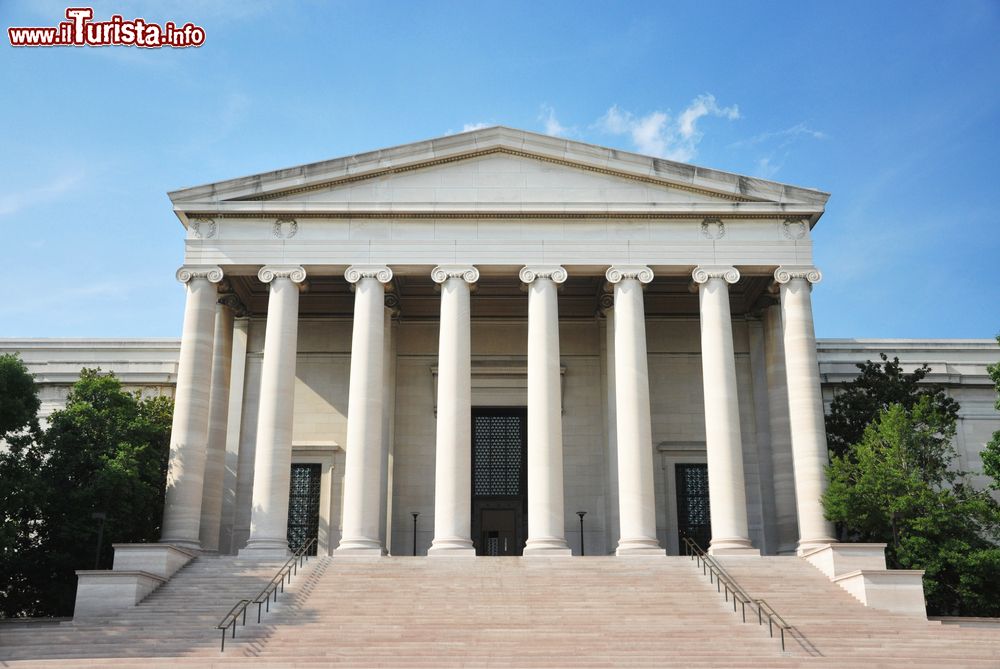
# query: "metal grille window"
[693,517]
[498,456]
[303,506]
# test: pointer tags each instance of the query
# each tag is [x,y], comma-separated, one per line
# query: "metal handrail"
[716,574]
[263,598]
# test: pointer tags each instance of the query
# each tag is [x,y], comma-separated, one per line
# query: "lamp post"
[581,514]
[100,516]
[415,514]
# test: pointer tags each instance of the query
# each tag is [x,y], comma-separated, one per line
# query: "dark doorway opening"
[693,517]
[499,480]
[303,506]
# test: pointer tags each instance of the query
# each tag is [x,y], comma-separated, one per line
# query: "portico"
[389,297]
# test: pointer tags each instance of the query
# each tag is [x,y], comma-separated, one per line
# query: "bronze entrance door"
[693,518]
[303,506]
[499,480]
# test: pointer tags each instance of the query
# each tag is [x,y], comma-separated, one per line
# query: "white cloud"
[469,127]
[774,146]
[659,134]
[552,125]
[13,203]
[766,168]
[784,137]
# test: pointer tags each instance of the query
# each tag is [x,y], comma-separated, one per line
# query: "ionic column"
[189,430]
[363,465]
[724,446]
[781,440]
[546,524]
[453,455]
[218,420]
[805,404]
[273,453]
[636,497]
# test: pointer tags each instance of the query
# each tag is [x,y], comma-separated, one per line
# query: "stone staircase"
[175,620]
[829,623]
[423,612]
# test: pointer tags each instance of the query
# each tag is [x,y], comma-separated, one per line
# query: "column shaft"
[273,453]
[546,523]
[453,455]
[636,496]
[805,405]
[218,418]
[189,430]
[230,481]
[781,439]
[363,466]
[723,442]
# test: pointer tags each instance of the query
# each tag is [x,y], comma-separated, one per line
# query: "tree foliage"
[896,485]
[991,453]
[858,403]
[106,451]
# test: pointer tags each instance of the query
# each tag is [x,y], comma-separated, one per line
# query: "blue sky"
[893,107]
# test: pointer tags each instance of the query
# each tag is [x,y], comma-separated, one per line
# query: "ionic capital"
[295,273]
[211,272]
[786,273]
[728,273]
[555,273]
[467,273]
[618,273]
[380,273]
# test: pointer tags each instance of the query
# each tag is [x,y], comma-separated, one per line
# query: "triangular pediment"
[493,168]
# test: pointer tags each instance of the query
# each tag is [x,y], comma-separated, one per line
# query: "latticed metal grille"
[497,458]
[693,515]
[303,506]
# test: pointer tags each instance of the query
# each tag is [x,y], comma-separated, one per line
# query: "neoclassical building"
[497,330]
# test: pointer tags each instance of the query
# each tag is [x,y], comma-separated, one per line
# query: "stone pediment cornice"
[263,189]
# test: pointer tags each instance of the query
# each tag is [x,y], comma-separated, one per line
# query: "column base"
[732,546]
[451,547]
[546,547]
[265,549]
[642,547]
[366,548]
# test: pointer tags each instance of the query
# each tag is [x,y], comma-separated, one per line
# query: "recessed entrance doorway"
[499,480]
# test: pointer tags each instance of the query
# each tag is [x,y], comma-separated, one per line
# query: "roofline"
[450,147]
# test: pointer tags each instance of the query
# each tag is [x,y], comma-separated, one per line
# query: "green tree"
[20,494]
[106,451]
[879,385]
[896,485]
[991,453]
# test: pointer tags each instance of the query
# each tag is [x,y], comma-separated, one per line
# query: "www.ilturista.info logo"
[80,30]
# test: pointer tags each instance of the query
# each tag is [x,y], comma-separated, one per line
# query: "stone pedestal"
[138,570]
[860,570]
